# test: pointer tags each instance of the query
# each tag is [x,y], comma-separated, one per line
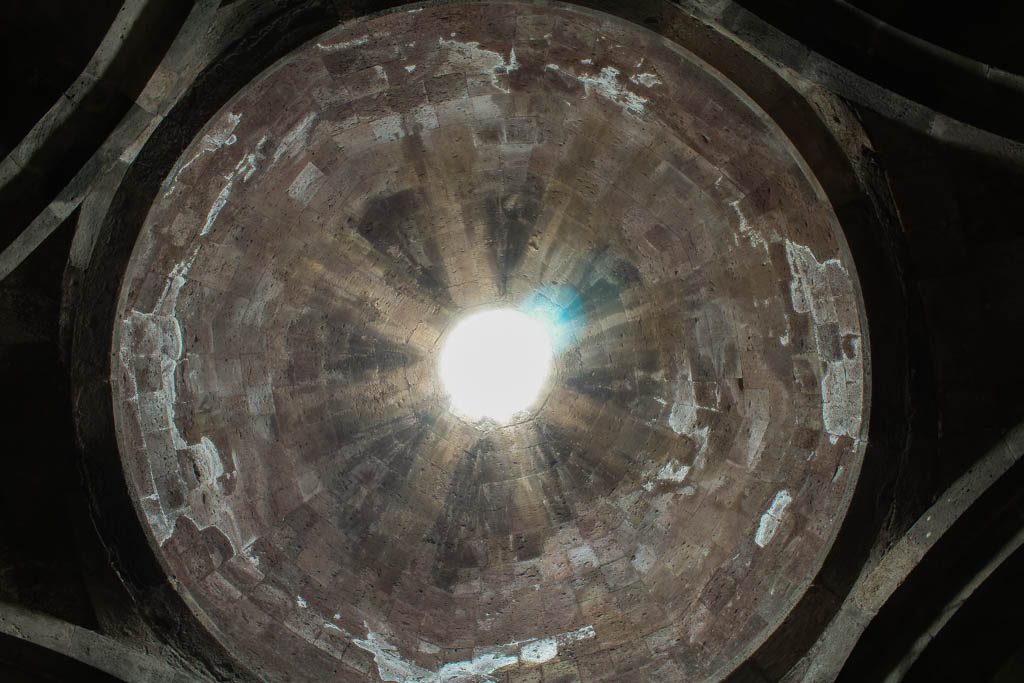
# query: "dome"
[292,450]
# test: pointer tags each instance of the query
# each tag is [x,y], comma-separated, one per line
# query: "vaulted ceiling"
[767,437]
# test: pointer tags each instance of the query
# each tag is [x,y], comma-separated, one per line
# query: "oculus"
[494,364]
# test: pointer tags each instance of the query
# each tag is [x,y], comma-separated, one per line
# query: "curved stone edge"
[113,43]
[64,149]
[88,647]
[825,660]
[206,31]
[791,53]
[951,608]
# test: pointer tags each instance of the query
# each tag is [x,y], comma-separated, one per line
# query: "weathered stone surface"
[283,427]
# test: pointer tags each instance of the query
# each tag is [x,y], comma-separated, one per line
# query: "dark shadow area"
[964,250]
[102,106]
[953,86]
[39,562]
[989,31]
[987,626]
[45,46]
[959,213]
[961,553]
[25,662]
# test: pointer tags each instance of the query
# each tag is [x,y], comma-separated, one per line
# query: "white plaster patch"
[546,649]
[306,183]
[809,288]
[607,84]
[157,336]
[812,291]
[579,634]
[644,557]
[539,651]
[218,204]
[841,395]
[484,61]
[646,80]
[673,471]
[254,560]
[388,128]
[207,460]
[335,47]
[771,518]
[746,229]
[682,419]
[211,142]
[245,168]
[391,666]
[154,340]
[295,140]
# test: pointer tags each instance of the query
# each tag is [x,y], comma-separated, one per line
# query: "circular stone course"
[321,503]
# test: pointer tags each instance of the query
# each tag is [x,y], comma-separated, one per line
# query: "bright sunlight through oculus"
[494,364]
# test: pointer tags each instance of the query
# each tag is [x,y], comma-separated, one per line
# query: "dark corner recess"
[104,104]
[25,662]
[933,75]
